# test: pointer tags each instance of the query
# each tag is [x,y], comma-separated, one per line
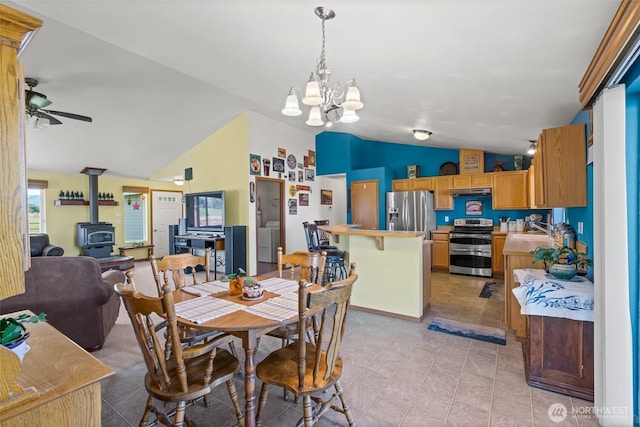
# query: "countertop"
[349,230]
[523,243]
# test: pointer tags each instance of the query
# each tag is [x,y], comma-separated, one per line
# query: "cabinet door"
[477,180]
[497,259]
[442,199]
[531,177]
[460,181]
[440,251]
[561,167]
[402,184]
[510,190]
[423,184]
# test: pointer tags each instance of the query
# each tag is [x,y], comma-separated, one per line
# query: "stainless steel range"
[470,247]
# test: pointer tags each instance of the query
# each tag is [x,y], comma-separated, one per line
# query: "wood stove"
[95,239]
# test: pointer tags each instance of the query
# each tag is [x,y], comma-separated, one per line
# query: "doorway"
[364,204]
[270,226]
[166,209]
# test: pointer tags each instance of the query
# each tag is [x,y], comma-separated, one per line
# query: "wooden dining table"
[248,327]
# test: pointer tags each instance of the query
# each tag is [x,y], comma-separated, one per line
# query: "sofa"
[77,297]
[40,246]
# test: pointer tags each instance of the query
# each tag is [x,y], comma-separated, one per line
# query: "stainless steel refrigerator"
[411,211]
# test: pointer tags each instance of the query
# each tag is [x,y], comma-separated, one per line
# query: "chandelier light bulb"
[349,116]
[312,93]
[291,107]
[421,134]
[352,101]
[315,117]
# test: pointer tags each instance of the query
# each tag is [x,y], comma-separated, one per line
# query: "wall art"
[254,164]
[326,197]
[278,164]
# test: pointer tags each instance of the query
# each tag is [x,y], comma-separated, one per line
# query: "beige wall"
[60,221]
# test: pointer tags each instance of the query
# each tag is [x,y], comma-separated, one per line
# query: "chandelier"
[329,103]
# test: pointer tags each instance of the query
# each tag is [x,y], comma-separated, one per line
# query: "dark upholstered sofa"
[77,297]
[40,246]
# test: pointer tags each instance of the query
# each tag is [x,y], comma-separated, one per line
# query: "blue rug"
[468,330]
[493,290]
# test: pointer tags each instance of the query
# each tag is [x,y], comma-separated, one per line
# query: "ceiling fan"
[36,102]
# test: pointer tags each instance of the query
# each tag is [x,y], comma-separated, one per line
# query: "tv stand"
[232,241]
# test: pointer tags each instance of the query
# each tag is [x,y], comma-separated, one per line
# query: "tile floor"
[397,373]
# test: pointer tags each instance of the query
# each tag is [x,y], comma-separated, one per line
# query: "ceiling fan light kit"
[35,103]
[421,134]
[329,103]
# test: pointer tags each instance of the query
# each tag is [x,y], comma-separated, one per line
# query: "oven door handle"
[473,236]
[472,251]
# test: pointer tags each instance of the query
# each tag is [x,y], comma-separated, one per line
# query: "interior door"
[166,209]
[270,227]
[364,204]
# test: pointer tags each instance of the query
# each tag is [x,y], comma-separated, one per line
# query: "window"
[135,217]
[36,210]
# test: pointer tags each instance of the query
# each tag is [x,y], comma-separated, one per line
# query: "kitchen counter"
[523,243]
[394,269]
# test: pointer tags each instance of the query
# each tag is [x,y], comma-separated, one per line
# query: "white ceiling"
[157,77]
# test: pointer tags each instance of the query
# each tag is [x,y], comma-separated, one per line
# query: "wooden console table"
[123,250]
[66,379]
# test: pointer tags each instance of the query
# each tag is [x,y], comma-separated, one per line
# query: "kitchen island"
[394,269]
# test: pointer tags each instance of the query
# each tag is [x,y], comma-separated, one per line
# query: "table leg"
[250,345]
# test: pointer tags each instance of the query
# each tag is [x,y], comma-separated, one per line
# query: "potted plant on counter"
[13,334]
[562,262]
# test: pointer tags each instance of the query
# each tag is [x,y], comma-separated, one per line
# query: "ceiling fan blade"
[37,100]
[52,120]
[70,115]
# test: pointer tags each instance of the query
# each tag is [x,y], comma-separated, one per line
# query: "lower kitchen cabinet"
[440,251]
[497,258]
[558,355]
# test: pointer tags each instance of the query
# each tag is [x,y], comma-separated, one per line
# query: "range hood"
[471,192]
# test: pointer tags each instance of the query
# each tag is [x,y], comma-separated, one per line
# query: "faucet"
[537,226]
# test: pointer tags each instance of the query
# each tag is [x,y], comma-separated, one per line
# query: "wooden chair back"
[174,266]
[145,313]
[334,302]
[311,265]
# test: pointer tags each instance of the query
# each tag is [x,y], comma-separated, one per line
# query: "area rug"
[493,290]
[468,330]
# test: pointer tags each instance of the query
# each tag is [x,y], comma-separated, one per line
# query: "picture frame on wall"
[309,174]
[292,176]
[326,197]
[473,207]
[312,158]
[254,164]
[303,199]
[282,152]
[277,164]
[300,176]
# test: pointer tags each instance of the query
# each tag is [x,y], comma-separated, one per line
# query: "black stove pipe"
[93,192]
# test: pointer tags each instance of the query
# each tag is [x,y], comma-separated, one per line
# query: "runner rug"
[469,330]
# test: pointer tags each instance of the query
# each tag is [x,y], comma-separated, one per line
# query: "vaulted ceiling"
[158,77]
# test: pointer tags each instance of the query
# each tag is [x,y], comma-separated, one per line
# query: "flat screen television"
[205,211]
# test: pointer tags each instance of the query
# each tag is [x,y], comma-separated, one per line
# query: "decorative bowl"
[255,291]
[563,271]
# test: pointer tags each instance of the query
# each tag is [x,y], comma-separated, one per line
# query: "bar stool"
[334,266]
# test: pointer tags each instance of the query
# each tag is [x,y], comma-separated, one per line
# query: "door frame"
[283,228]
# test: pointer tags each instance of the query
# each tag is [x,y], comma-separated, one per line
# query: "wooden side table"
[66,379]
[123,250]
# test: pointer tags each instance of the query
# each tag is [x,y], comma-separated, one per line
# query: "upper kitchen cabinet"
[560,178]
[442,198]
[412,184]
[510,190]
[476,180]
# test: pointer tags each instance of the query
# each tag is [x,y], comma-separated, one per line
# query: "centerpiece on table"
[240,284]
[562,262]
[13,333]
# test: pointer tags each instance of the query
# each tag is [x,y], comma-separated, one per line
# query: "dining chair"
[179,270]
[306,368]
[175,374]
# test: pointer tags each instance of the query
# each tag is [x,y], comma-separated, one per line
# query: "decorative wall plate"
[448,168]
[291,161]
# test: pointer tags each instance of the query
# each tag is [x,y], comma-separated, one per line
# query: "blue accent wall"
[360,159]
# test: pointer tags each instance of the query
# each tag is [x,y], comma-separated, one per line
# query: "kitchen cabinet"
[558,355]
[510,190]
[412,184]
[442,198]
[476,180]
[440,250]
[561,167]
[497,257]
